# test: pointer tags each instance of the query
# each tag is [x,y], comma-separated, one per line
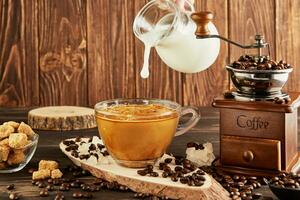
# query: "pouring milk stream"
[162,24]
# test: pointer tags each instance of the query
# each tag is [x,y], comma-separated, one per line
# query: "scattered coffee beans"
[286,180]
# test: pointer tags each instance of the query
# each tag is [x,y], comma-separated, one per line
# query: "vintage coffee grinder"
[258,122]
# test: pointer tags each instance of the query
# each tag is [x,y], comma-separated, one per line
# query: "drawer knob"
[248,156]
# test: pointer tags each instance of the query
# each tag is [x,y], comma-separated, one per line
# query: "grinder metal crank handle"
[202,20]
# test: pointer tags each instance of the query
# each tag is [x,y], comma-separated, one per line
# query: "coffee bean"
[279,100]
[198,183]
[13,196]
[56,182]
[174,178]
[41,185]
[68,142]
[228,95]
[168,160]
[166,168]
[50,187]
[10,187]
[178,169]
[154,174]
[149,167]
[123,188]
[77,195]
[105,153]
[50,181]
[233,189]
[191,144]
[142,172]
[100,146]
[92,147]
[252,178]
[178,160]
[236,177]
[165,174]
[44,193]
[75,153]
[200,146]
[85,187]
[64,187]
[75,185]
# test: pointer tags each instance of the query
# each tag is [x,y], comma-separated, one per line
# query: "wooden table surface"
[206,131]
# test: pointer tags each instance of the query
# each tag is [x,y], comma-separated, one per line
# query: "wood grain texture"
[111,50]
[18,53]
[79,52]
[287,38]
[248,18]
[62,51]
[201,88]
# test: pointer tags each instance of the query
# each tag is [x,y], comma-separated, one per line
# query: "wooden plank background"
[79,52]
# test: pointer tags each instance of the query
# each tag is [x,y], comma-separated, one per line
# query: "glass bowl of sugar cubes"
[18,143]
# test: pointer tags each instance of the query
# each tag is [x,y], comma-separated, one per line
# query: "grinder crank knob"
[202,19]
[248,156]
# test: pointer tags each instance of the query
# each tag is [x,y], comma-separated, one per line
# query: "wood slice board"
[62,118]
[211,190]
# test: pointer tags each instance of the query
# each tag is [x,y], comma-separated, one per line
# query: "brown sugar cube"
[41,174]
[48,164]
[17,140]
[56,174]
[4,152]
[24,128]
[4,142]
[13,124]
[5,131]
[3,165]
[16,157]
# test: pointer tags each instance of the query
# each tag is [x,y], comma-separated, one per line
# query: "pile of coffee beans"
[184,172]
[252,63]
[73,145]
[285,180]
[239,187]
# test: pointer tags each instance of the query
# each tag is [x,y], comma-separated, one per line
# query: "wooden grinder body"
[258,138]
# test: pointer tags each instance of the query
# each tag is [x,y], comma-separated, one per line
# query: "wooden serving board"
[211,190]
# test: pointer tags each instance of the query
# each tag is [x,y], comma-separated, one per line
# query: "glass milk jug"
[167,26]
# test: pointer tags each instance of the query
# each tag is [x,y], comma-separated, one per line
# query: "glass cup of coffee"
[136,132]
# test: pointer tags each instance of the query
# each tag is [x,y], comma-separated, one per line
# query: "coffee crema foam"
[138,112]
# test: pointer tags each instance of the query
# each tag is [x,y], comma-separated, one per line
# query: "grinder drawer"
[250,152]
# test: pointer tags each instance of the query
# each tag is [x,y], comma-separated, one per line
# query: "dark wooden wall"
[78,52]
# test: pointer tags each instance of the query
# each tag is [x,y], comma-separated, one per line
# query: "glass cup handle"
[191,122]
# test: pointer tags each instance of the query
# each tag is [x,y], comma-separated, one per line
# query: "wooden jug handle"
[202,19]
